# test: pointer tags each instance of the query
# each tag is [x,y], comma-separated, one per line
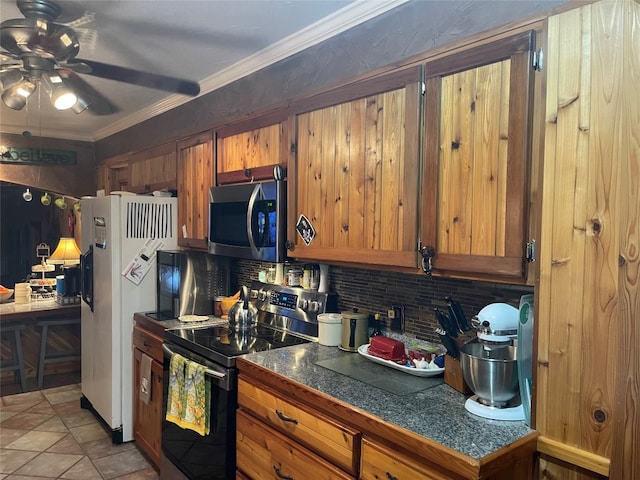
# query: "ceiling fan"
[36,50]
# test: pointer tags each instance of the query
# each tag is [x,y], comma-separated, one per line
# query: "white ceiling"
[213,42]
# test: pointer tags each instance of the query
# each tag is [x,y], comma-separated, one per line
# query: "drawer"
[148,343]
[329,438]
[378,461]
[262,452]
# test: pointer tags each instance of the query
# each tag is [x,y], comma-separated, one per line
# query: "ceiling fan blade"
[17,33]
[98,104]
[26,35]
[135,77]
[60,43]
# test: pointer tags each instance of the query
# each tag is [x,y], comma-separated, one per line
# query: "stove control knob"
[262,295]
[314,306]
[304,304]
[253,294]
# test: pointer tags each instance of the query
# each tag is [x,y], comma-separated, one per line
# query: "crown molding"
[350,16]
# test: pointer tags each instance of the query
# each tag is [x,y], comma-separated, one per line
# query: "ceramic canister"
[329,329]
[355,330]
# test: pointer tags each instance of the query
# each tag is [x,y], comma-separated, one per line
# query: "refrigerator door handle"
[86,276]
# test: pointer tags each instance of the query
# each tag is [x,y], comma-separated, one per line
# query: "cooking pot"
[243,314]
[355,330]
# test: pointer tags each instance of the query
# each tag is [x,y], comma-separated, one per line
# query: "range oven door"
[203,457]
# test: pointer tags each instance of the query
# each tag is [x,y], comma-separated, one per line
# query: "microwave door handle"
[252,200]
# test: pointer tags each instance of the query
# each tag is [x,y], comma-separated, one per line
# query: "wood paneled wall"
[73,180]
[588,298]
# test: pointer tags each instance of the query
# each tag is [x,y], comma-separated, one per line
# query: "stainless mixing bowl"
[490,371]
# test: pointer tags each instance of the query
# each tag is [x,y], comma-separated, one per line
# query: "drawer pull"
[148,345]
[281,475]
[391,477]
[284,418]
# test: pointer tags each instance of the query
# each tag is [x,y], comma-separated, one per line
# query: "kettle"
[355,330]
[243,314]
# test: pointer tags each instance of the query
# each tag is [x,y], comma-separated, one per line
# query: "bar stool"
[16,362]
[54,357]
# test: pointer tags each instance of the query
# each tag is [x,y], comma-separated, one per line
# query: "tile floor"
[46,435]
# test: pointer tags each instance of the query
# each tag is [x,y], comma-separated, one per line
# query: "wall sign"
[37,156]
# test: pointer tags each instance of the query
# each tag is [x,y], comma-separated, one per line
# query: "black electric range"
[222,344]
[286,316]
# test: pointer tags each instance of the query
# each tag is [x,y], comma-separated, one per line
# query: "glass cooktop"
[222,344]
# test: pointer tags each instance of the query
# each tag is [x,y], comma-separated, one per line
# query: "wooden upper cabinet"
[195,177]
[249,150]
[153,169]
[140,172]
[355,176]
[477,153]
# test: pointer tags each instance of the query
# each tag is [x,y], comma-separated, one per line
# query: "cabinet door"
[153,169]
[147,423]
[249,151]
[325,436]
[195,177]
[113,176]
[477,152]
[356,174]
[262,452]
[380,462]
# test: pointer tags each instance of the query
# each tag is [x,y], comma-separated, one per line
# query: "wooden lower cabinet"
[284,424]
[326,436]
[147,418]
[264,453]
[379,462]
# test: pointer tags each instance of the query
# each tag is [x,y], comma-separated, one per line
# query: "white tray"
[418,372]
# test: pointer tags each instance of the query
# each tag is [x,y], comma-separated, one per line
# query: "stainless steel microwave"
[249,221]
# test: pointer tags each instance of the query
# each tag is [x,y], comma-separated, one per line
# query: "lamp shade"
[66,253]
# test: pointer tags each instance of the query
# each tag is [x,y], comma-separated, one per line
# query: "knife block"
[453,375]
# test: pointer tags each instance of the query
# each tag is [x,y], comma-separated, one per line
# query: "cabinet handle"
[281,475]
[148,345]
[391,477]
[427,252]
[284,418]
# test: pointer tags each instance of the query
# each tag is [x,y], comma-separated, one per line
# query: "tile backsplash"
[375,291]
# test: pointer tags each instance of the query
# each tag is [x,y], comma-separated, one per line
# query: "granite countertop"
[436,413]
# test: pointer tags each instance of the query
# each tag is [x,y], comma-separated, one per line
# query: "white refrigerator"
[120,237]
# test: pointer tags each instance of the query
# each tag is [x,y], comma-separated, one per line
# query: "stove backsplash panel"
[375,291]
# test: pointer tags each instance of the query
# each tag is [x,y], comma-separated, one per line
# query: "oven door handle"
[207,371]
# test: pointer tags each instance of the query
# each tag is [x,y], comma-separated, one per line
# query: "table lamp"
[66,253]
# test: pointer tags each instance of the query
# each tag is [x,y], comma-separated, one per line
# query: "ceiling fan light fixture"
[10,77]
[61,95]
[16,95]
[81,105]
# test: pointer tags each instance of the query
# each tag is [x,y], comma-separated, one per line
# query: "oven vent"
[150,219]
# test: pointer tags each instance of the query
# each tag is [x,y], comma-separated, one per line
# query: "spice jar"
[295,277]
